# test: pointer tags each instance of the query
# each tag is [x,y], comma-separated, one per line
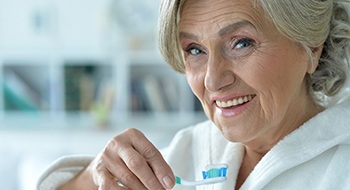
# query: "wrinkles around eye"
[194,49]
[241,47]
[194,53]
[243,43]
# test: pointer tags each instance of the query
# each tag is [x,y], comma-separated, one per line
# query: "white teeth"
[234,102]
[245,99]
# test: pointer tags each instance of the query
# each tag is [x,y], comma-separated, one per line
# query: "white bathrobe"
[315,156]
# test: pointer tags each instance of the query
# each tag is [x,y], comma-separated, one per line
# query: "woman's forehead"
[208,6]
[220,13]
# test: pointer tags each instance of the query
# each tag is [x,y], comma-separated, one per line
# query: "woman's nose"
[219,74]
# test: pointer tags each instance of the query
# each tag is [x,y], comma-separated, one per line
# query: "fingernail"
[168,182]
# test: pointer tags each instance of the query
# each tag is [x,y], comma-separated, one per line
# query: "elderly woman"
[262,70]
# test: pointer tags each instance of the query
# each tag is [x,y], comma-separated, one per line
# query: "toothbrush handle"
[201,182]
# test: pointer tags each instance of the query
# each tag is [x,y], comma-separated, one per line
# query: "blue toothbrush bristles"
[213,174]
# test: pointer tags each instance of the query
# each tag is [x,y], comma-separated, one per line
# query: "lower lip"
[233,111]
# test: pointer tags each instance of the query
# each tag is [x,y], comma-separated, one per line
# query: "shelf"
[84,84]
[63,68]
[96,91]
[154,88]
[22,91]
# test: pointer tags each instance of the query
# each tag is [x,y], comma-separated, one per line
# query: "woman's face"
[248,77]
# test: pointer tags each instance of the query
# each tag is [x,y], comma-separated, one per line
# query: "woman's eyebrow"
[188,35]
[222,32]
[233,27]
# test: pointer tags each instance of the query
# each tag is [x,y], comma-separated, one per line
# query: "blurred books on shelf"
[19,94]
[154,94]
[79,87]
[85,84]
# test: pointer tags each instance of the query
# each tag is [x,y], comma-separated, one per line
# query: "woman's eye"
[195,51]
[243,43]
[195,54]
[241,47]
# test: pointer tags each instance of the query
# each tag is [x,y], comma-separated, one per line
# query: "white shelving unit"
[57,56]
[40,88]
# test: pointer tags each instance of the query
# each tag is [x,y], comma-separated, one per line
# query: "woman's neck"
[256,150]
[250,160]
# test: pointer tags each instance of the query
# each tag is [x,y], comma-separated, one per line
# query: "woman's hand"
[129,159]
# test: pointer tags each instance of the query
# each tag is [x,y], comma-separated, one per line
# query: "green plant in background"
[102,108]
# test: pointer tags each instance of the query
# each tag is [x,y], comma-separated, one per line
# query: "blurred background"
[73,74]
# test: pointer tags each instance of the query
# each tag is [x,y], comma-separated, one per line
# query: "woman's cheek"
[195,80]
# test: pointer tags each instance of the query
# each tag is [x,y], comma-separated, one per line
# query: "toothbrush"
[215,173]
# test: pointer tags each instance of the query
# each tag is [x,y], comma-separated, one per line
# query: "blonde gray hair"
[309,23]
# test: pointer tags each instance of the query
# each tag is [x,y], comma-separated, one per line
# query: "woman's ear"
[316,54]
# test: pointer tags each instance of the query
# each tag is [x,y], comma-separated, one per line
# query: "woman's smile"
[234,106]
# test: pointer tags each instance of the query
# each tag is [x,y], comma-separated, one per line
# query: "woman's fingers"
[155,161]
[106,181]
[134,161]
[109,169]
[139,168]
[124,175]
